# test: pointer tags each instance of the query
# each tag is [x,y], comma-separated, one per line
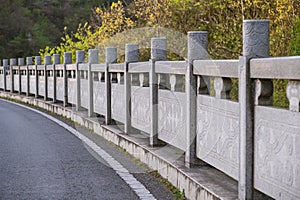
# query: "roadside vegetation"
[48,27]
[221,18]
[26,26]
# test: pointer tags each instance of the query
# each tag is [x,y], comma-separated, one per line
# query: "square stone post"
[255,44]
[111,57]
[67,60]
[197,50]
[12,62]
[3,76]
[20,63]
[56,60]
[131,55]
[38,61]
[158,53]
[47,61]
[28,62]
[80,57]
[93,59]
[5,66]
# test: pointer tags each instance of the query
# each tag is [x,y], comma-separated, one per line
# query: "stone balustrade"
[187,104]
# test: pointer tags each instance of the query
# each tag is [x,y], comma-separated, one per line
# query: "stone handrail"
[272,68]
[171,67]
[116,67]
[139,67]
[220,68]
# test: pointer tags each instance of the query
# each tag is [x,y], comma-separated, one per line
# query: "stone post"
[3,73]
[255,44]
[12,62]
[131,55]
[28,60]
[93,59]
[5,66]
[38,61]
[158,52]
[80,57]
[197,50]
[3,76]
[56,61]
[20,63]
[47,61]
[111,57]
[67,60]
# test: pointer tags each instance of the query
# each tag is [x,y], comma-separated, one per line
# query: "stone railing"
[172,102]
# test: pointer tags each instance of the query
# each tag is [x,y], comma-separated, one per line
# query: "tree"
[26,26]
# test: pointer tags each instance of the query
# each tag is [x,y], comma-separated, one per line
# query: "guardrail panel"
[32,82]
[172,118]
[16,82]
[41,84]
[84,93]
[218,133]
[8,82]
[72,91]
[99,97]
[117,102]
[140,108]
[24,83]
[1,79]
[50,89]
[277,152]
[60,88]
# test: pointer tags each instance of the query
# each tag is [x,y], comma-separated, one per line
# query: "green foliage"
[279,95]
[295,42]
[80,40]
[26,26]
[221,18]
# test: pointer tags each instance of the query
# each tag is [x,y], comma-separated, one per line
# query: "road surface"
[41,160]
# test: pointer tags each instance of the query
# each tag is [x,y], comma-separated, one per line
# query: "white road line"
[135,185]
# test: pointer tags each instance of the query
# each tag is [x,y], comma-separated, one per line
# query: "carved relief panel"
[218,133]
[277,152]
[140,108]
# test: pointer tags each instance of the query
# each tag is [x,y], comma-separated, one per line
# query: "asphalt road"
[41,160]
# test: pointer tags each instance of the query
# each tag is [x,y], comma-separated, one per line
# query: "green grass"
[180,195]
[122,149]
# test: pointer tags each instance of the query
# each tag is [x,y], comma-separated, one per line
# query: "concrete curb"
[202,183]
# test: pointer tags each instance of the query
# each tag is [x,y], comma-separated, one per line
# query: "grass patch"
[180,195]
[122,149]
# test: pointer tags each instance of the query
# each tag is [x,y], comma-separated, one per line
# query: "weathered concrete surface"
[198,183]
